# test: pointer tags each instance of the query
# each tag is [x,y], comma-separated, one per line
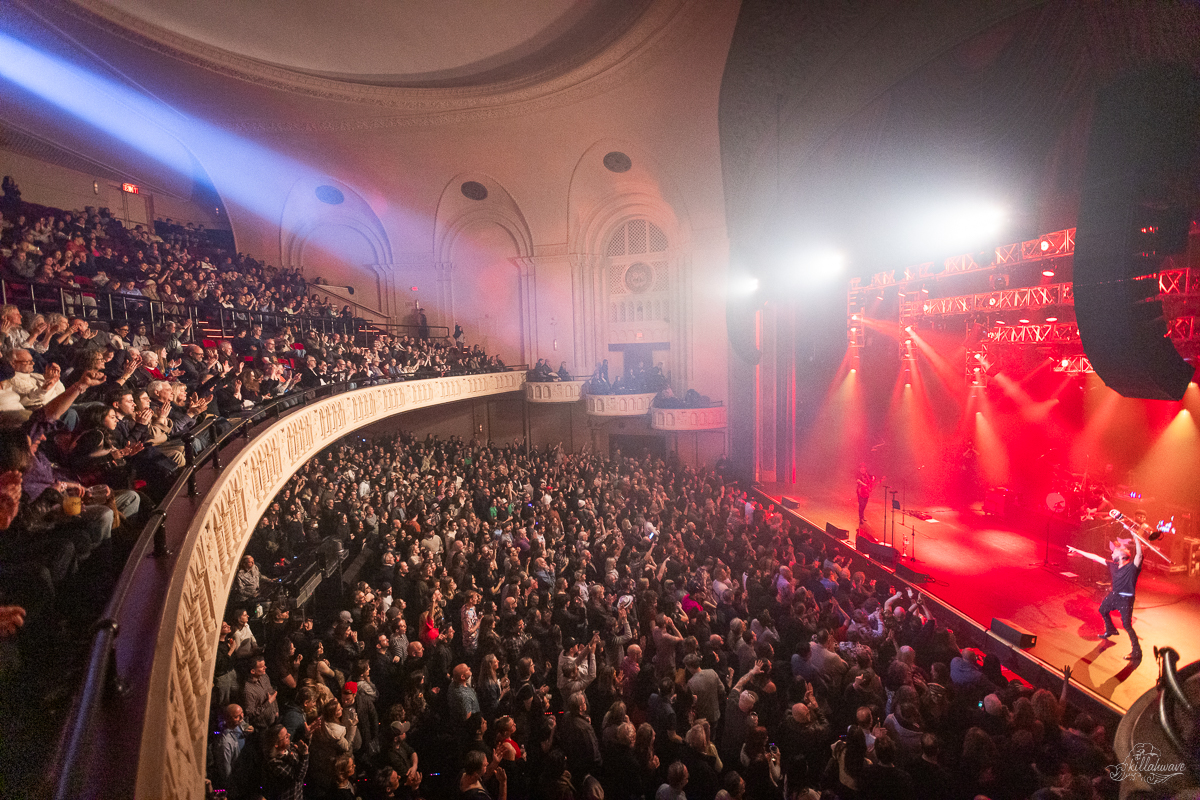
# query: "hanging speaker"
[1138,195]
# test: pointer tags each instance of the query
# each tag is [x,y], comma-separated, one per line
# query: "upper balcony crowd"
[539,624]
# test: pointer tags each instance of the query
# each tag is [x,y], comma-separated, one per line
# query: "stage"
[986,566]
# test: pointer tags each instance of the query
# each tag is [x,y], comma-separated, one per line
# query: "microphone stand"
[883,531]
[893,541]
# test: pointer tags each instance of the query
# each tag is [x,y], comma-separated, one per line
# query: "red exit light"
[131,188]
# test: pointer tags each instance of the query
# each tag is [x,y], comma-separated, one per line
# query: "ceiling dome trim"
[662,25]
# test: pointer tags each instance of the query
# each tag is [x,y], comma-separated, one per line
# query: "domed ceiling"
[398,43]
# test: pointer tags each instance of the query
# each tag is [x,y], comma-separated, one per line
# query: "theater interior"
[758,353]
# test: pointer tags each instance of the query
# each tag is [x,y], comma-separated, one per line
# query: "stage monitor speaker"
[909,574]
[1013,633]
[873,550]
[836,532]
[1136,204]
[790,502]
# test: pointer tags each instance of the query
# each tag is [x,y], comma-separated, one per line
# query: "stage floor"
[985,567]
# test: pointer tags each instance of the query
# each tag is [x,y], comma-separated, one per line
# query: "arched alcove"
[331,232]
[481,248]
[486,286]
[336,253]
[630,245]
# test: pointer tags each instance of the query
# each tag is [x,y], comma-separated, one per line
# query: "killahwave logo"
[1145,762]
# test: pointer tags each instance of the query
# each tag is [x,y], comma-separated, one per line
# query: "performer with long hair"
[1124,568]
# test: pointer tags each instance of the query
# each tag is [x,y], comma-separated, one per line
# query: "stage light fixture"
[1000,322]
[1066,361]
[1045,245]
[819,265]
[962,223]
[1023,321]
[743,284]
[1049,273]
[1051,319]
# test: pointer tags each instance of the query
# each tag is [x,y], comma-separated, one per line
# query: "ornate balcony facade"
[688,419]
[618,405]
[557,392]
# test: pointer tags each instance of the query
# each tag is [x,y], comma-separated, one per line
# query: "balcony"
[618,405]
[141,729]
[556,392]
[688,419]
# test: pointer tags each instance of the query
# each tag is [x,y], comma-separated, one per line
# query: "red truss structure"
[1051,245]
[1044,333]
[1074,365]
[1054,294]
[1178,289]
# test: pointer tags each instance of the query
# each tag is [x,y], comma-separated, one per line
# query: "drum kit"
[1077,497]
[1087,500]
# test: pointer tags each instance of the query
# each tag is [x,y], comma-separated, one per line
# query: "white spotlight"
[742,284]
[819,265]
[961,225]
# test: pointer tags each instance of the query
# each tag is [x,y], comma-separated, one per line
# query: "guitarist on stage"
[1124,570]
[864,484]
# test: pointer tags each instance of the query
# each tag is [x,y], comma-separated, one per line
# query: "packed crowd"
[641,379]
[89,252]
[96,417]
[539,624]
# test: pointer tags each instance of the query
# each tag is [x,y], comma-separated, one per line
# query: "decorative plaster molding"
[665,26]
[558,392]
[687,419]
[618,405]
[174,734]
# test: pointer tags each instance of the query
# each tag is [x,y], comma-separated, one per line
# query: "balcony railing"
[139,726]
[99,305]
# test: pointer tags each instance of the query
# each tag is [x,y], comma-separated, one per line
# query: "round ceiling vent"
[474,190]
[617,161]
[331,195]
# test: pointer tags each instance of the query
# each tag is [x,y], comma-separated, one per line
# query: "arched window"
[637,272]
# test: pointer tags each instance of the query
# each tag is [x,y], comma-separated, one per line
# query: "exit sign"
[131,188]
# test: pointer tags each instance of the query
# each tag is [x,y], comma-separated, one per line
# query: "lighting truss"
[1182,329]
[1044,333]
[1177,282]
[1050,245]
[1054,294]
[1074,365]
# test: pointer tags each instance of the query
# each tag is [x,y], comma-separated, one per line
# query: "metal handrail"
[69,301]
[152,543]
[346,299]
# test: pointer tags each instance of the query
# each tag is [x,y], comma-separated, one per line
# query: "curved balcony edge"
[688,419]
[556,392]
[174,689]
[618,405]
